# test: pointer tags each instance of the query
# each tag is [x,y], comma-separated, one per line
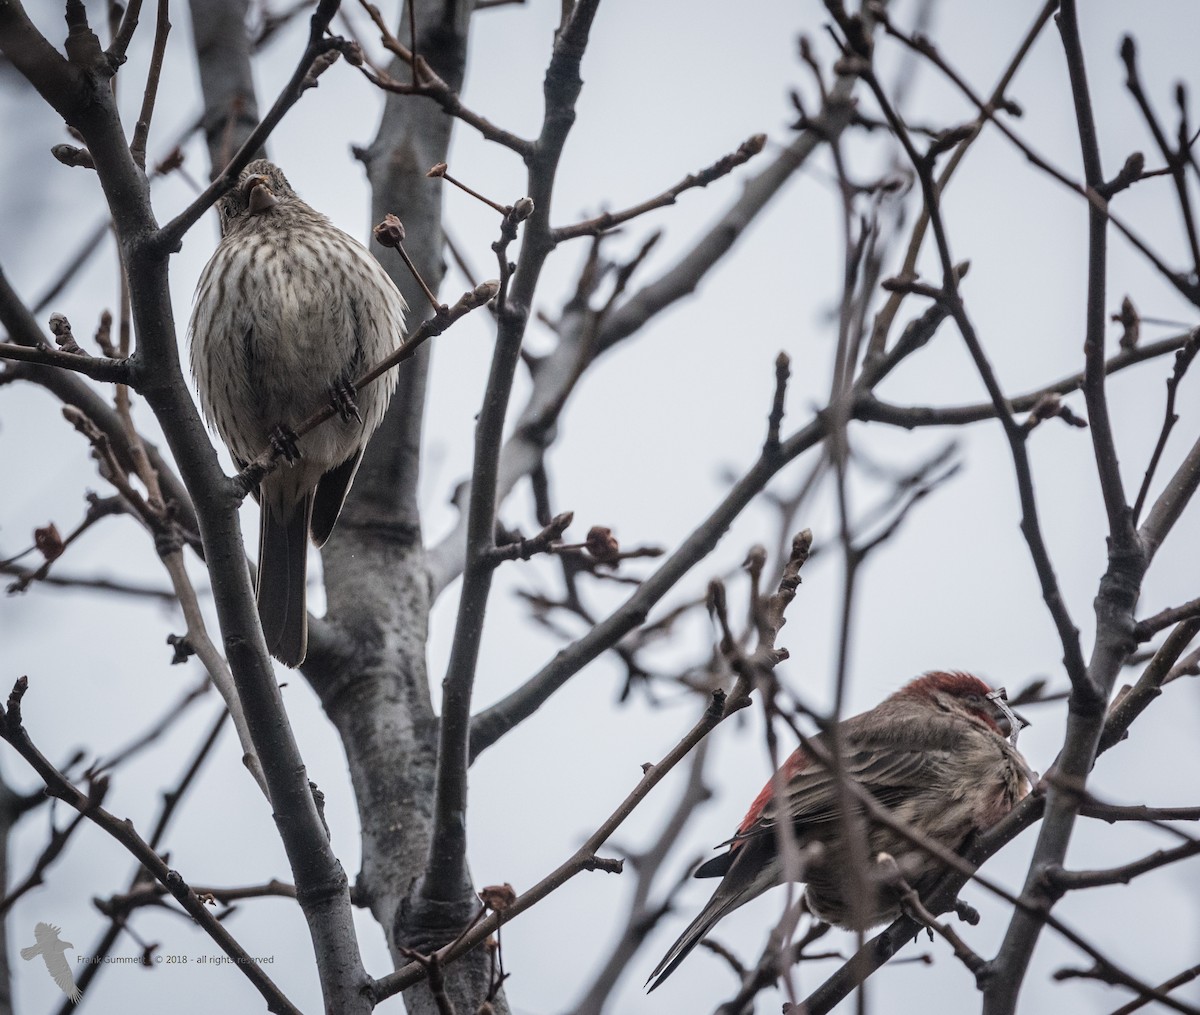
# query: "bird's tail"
[282,576]
[717,907]
[30,952]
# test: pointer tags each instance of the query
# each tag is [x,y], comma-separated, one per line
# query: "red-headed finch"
[288,312]
[939,754]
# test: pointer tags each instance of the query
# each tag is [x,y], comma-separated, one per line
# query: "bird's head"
[967,695]
[260,187]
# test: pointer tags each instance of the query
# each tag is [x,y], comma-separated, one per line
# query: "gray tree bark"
[369,663]
[223,55]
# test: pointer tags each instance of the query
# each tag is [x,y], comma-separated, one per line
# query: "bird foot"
[341,396]
[283,440]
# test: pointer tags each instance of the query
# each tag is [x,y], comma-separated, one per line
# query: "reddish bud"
[49,542]
[498,897]
[172,162]
[602,545]
[390,232]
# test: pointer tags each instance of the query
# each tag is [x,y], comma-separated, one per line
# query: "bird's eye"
[228,209]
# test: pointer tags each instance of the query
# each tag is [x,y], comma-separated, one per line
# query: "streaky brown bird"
[288,312]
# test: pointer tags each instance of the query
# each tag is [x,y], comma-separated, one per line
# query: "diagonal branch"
[124,34]
[169,236]
[720,708]
[57,78]
[1189,289]
[584,858]
[492,723]
[1183,360]
[13,731]
[268,459]
[722,167]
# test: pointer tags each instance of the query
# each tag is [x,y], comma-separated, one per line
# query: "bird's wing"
[56,962]
[810,796]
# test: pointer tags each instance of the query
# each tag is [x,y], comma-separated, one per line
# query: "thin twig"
[59,837]
[884,319]
[868,407]
[1176,160]
[170,235]
[252,474]
[1183,360]
[608,220]
[1188,289]
[124,34]
[583,859]
[429,84]
[172,714]
[1148,628]
[1138,812]
[98,368]
[141,130]
[1061,880]
[911,903]
[1178,980]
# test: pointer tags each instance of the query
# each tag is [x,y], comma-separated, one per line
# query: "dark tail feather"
[697,929]
[282,567]
[331,495]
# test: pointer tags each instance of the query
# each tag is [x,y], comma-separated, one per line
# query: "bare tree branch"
[59,786]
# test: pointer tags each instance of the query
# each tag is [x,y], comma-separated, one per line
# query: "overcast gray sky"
[645,448]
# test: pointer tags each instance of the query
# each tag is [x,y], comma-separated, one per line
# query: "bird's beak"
[1010,722]
[258,195]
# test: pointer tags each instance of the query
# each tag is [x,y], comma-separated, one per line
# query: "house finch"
[288,311]
[935,754]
